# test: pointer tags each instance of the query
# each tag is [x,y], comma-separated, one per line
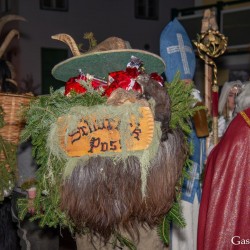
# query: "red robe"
[224,215]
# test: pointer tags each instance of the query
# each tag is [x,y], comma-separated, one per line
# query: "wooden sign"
[91,137]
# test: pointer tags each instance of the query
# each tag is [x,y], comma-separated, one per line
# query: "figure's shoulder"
[247,111]
[246,115]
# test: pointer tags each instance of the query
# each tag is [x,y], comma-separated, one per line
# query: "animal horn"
[7,18]
[69,41]
[7,41]
[12,81]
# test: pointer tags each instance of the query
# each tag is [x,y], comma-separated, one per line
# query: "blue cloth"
[177,51]
[192,185]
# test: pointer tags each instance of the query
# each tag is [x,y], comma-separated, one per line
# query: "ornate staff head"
[211,44]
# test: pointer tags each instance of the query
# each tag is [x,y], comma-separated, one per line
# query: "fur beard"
[105,197]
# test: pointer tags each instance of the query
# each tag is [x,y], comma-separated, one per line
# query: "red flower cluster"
[73,84]
[157,78]
[119,79]
[123,79]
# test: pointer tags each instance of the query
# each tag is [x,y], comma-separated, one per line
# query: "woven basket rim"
[16,95]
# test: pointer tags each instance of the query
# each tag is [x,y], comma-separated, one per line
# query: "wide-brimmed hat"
[113,54]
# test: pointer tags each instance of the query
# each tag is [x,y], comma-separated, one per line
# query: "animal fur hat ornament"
[115,158]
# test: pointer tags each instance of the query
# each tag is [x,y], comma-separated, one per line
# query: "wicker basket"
[14,122]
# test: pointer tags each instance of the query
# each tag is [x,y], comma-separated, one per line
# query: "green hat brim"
[100,64]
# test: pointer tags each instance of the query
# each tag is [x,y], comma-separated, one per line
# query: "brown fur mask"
[106,196]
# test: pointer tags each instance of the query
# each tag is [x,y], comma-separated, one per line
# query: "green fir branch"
[182,104]
[182,109]
[164,230]
[173,216]
[44,111]
[123,241]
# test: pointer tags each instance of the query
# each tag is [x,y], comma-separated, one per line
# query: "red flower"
[122,79]
[73,84]
[157,78]
[132,72]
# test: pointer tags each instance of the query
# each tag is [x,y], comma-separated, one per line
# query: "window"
[5,6]
[236,31]
[51,57]
[146,9]
[59,5]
